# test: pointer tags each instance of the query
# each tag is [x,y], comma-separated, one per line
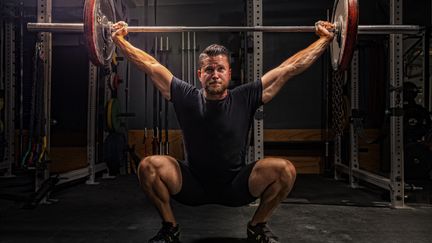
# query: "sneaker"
[167,234]
[260,233]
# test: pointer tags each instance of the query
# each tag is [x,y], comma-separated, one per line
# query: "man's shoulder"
[248,86]
[181,84]
[183,92]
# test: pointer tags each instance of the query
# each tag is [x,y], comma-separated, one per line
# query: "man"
[215,122]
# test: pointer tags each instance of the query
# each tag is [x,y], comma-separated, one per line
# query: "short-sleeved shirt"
[215,132]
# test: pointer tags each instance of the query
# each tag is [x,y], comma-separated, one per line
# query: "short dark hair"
[212,51]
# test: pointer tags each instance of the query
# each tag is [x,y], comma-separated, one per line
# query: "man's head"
[214,71]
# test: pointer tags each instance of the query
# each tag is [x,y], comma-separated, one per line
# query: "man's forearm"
[135,55]
[306,57]
[274,80]
[160,75]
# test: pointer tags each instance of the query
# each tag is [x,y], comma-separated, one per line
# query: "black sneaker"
[167,234]
[260,233]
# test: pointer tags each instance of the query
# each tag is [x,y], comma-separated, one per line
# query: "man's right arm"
[160,75]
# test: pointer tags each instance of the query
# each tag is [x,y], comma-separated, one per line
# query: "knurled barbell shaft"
[362,29]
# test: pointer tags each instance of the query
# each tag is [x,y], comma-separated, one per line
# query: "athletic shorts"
[196,191]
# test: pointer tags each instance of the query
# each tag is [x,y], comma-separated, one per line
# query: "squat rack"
[395,184]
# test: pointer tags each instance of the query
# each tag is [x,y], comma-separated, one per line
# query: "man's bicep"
[274,80]
[268,84]
[268,78]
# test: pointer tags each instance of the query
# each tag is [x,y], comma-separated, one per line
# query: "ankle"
[255,223]
[171,224]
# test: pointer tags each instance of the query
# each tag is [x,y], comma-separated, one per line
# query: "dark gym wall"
[69,95]
[298,105]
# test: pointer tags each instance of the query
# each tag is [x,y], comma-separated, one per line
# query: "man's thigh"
[192,191]
[196,192]
[238,193]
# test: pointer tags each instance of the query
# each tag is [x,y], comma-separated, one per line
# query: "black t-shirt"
[215,132]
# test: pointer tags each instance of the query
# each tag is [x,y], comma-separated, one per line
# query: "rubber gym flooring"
[318,210]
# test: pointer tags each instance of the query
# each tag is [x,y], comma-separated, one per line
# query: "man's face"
[215,74]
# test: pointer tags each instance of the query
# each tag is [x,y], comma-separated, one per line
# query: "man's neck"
[216,96]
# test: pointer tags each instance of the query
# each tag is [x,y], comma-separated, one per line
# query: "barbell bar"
[99,16]
[362,29]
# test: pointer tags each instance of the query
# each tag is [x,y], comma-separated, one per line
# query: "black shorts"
[196,192]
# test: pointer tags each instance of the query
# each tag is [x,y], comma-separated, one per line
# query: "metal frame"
[426,71]
[81,173]
[426,63]
[396,104]
[355,120]
[395,184]
[44,9]
[254,72]
[91,123]
[427,88]
[9,105]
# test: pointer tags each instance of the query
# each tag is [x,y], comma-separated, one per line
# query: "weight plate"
[98,18]
[345,17]
[113,115]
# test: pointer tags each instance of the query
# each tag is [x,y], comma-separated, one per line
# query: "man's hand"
[119,30]
[325,29]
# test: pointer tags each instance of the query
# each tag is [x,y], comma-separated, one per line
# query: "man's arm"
[273,80]
[160,75]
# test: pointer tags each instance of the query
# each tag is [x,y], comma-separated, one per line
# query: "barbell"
[99,16]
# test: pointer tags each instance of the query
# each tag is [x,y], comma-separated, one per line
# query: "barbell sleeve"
[362,29]
[389,29]
[56,27]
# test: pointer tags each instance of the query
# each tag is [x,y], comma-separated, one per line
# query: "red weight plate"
[98,14]
[345,16]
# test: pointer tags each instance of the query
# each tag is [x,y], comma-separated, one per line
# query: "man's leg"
[160,176]
[271,180]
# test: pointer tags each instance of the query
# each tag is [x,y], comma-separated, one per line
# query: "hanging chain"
[338,116]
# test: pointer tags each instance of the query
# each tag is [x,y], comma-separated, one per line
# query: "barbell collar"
[362,29]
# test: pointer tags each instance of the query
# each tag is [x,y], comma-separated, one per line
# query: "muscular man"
[215,122]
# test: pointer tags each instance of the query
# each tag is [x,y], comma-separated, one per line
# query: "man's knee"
[276,169]
[288,172]
[283,170]
[160,168]
[149,166]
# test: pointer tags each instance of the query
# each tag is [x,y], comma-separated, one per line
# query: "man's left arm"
[273,80]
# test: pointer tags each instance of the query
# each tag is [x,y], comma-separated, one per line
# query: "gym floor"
[318,210]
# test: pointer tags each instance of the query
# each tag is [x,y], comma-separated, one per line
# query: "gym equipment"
[417,122]
[99,16]
[113,115]
[418,161]
[345,17]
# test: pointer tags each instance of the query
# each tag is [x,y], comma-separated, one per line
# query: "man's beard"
[218,90]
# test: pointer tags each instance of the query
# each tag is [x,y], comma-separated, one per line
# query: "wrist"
[327,38]
[117,38]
